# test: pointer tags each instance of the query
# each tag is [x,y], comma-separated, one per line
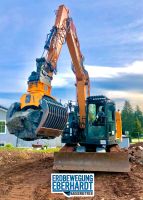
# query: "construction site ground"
[26,175]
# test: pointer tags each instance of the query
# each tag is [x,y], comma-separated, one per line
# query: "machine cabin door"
[111,128]
[96,123]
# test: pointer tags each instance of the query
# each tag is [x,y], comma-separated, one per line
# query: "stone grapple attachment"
[30,123]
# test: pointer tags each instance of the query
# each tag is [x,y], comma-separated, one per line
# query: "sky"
[111,39]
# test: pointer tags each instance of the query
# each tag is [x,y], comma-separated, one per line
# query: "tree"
[137,128]
[128,118]
[139,115]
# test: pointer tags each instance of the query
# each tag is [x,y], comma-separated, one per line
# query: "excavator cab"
[100,124]
[100,121]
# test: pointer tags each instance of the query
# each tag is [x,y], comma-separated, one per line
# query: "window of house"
[2,127]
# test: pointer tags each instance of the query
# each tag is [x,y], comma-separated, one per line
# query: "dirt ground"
[25,175]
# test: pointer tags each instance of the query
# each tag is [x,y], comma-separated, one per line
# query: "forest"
[132,120]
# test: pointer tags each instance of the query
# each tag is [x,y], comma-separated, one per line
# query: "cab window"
[111,113]
[91,112]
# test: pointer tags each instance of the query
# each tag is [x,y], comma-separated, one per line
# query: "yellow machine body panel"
[118,126]
[30,99]
[35,92]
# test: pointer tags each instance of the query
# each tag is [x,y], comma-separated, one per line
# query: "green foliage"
[127,117]
[48,150]
[137,128]
[139,115]
[12,148]
[132,120]
[9,145]
[45,146]
[135,140]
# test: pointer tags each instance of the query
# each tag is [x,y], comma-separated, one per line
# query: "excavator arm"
[38,112]
[65,31]
[82,77]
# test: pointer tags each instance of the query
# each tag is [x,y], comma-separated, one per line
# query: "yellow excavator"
[91,129]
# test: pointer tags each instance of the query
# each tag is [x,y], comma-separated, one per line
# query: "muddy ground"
[25,175]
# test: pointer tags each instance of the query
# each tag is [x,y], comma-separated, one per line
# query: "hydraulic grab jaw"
[46,121]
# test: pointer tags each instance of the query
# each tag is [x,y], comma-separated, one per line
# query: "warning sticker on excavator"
[72,185]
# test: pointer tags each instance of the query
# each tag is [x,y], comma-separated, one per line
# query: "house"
[6,138]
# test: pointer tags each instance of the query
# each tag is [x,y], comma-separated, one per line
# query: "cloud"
[6,102]
[103,73]
[105,77]
[118,83]
[60,81]
[119,97]
[123,83]
[108,72]
[134,24]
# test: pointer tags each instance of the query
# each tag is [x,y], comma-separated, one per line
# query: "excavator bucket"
[92,161]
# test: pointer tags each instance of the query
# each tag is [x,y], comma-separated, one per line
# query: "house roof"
[3,108]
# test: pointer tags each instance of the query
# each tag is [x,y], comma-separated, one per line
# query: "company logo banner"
[71,184]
